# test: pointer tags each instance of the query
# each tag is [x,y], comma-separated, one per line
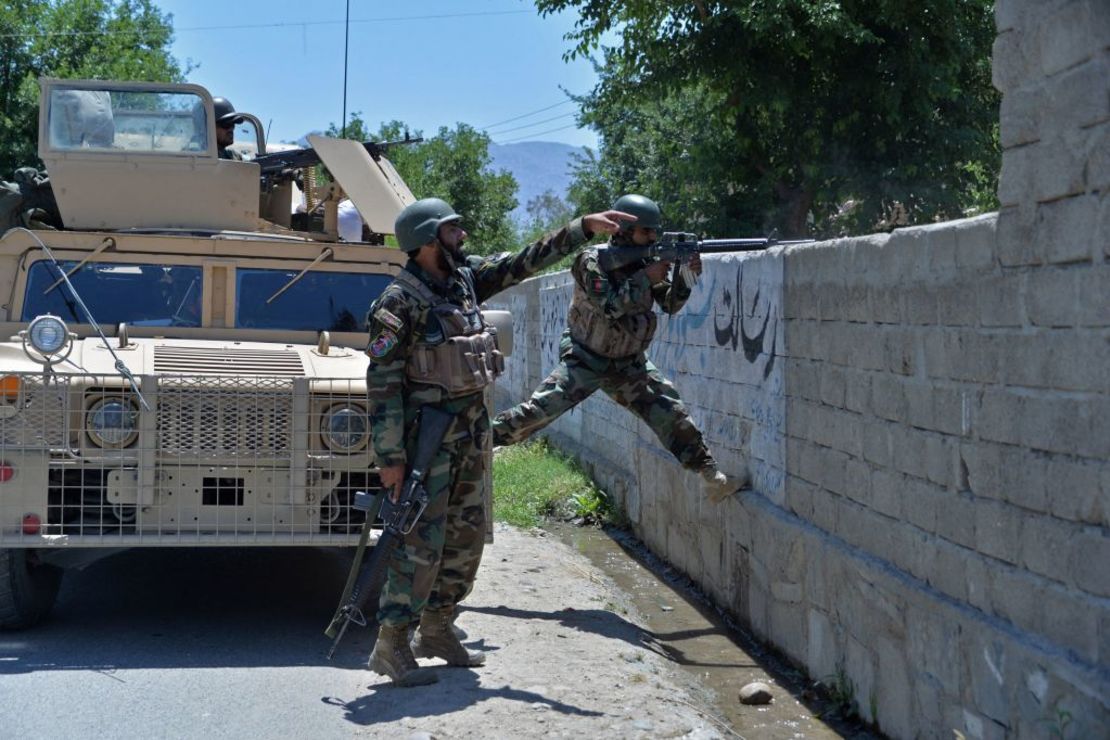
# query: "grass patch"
[532,481]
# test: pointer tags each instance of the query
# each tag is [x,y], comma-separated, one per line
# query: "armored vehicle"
[183,358]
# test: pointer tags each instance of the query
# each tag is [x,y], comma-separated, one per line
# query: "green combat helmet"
[419,222]
[644,209]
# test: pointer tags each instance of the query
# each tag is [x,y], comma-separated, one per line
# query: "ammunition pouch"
[460,365]
[625,336]
[458,351]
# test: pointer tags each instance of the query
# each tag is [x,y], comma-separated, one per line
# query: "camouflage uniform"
[435,567]
[611,324]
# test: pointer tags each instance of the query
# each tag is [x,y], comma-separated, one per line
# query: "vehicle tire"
[28,588]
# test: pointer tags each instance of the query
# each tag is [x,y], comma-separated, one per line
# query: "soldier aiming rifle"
[610,325]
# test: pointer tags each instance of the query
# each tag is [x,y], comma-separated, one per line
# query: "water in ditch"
[692,634]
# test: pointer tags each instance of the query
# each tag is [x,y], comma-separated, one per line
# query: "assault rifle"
[277,163]
[398,519]
[680,248]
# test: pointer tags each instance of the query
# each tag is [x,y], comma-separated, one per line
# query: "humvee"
[183,361]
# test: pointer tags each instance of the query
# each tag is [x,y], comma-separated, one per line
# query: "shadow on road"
[611,625]
[190,608]
[457,689]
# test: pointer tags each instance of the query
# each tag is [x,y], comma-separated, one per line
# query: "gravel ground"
[566,657]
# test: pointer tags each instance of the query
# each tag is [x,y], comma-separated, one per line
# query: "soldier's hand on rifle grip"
[607,222]
[657,271]
[695,265]
[393,478]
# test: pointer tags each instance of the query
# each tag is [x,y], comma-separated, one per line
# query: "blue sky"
[429,63]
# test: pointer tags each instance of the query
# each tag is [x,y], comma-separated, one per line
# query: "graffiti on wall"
[744,317]
[554,304]
[734,331]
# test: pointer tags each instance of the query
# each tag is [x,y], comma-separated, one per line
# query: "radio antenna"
[346,45]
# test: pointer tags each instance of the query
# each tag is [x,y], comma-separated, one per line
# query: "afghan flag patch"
[383,343]
[599,285]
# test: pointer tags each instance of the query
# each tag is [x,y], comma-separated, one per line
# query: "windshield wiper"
[106,244]
[121,368]
[323,256]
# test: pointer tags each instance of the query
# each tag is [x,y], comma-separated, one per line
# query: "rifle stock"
[398,518]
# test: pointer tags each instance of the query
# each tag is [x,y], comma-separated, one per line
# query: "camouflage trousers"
[435,565]
[634,383]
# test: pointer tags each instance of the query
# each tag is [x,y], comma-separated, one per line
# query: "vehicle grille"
[41,419]
[213,460]
[227,361]
[223,418]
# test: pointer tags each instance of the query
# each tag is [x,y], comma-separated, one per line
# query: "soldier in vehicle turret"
[226,121]
[610,325]
[430,346]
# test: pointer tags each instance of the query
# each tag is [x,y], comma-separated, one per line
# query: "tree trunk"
[796,201]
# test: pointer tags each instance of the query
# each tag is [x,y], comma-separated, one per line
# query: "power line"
[538,133]
[525,115]
[284,24]
[530,125]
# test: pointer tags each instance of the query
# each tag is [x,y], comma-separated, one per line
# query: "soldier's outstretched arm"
[494,274]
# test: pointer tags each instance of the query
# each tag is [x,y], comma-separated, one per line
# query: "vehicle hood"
[157,356]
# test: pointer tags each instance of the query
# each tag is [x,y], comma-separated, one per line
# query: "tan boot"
[720,486]
[436,638]
[392,657]
[456,630]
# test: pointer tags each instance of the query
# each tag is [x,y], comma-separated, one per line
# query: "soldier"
[226,120]
[430,345]
[611,323]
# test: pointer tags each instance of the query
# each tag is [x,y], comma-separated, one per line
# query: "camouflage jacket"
[622,290]
[397,322]
[611,315]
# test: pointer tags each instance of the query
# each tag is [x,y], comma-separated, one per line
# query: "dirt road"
[571,653]
[566,658]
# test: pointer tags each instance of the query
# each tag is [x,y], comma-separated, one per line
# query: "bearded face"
[451,239]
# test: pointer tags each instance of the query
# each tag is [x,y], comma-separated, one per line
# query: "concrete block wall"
[928,419]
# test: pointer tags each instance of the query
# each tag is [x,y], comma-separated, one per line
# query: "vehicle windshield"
[332,301]
[132,121]
[171,295]
[140,295]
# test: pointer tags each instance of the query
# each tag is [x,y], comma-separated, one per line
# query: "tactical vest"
[456,350]
[625,336]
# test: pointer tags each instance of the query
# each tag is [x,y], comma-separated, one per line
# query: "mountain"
[537,166]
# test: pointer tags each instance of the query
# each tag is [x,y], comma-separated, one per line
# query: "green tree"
[547,211]
[453,165]
[773,113]
[103,39]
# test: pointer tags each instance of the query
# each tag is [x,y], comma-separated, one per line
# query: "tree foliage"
[746,115]
[453,165]
[101,39]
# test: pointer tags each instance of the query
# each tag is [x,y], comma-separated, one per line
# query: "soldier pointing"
[430,346]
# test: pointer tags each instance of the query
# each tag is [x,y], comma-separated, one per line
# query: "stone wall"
[928,419]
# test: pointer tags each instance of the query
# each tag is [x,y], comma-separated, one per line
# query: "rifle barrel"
[712,246]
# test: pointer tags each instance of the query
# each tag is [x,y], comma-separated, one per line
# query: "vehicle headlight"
[112,422]
[344,428]
[47,334]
